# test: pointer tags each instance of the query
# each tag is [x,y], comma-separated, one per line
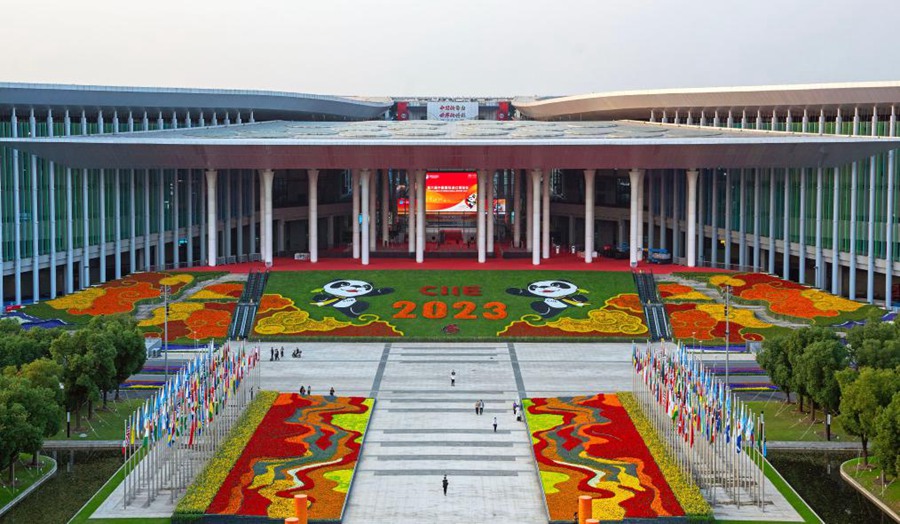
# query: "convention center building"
[795,180]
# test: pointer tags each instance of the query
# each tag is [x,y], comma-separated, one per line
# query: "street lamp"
[165,290]
[727,331]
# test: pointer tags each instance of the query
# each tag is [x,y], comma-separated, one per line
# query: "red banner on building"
[402,110]
[503,111]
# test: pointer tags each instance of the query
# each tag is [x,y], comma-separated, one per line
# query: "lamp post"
[165,290]
[727,332]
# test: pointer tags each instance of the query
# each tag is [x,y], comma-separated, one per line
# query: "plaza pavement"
[422,428]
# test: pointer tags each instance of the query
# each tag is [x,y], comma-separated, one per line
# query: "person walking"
[331,392]
[452,377]
[476,407]
[308,389]
[495,424]
[445,483]
[481,407]
[515,407]
[271,354]
[302,391]
[282,351]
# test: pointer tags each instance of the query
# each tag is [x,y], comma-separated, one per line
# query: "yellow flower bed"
[201,492]
[744,317]
[687,493]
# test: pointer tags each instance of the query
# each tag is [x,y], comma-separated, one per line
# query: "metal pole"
[727,331]
[166,329]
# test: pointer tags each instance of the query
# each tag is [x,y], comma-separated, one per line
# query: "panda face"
[470,201]
[348,288]
[552,288]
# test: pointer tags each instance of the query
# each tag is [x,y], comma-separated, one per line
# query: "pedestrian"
[495,424]
[331,392]
[282,351]
[302,391]
[299,353]
[452,377]
[271,354]
[481,407]
[276,355]
[515,407]
[308,390]
[445,483]
[477,405]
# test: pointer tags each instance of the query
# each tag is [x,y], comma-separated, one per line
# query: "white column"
[364,227]
[772,177]
[589,176]
[313,177]
[728,221]
[517,205]
[354,183]
[268,176]
[252,213]
[189,226]
[742,222]
[480,218]
[373,201]
[701,218]
[545,214]
[648,182]
[820,261]
[870,282]
[889,216]
[854,182]
[786,226]
[535,228]
[262,218]
[118,227]
[801,275]
[714,219]
[635,177]
[489,208]
[640,253]
[662,212]
[835,232]
[756,220]
[692,175]
[211,176]
[529,209]
[411,184]
[420,215]
[385,207]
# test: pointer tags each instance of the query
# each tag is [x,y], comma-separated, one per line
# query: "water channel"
[816,477]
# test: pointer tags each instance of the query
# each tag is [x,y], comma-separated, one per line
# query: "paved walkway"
[813,446]
[422,428]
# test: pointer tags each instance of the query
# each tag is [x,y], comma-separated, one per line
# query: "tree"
[864,395]
[774,360]
[796,343]
[32,412]
[887,437]
[45,373]
[875,344]
[18,347]
[88,360]
[815,368]
[131,353]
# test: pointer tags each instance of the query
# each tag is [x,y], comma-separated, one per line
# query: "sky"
[449,48]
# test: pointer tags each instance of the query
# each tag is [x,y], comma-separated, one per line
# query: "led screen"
[450,191]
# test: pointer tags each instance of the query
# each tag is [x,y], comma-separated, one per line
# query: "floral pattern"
[304,445]
[786,298]
[120,296]
[672,292]
[707,322]
[278,315]
[221,291]
[192,320]
[620,316]
[589,446]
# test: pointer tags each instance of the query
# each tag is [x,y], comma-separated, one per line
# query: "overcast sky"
[458,47]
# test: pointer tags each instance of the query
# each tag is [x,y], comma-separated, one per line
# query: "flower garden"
[789,300]
[301,445]
[205,314]
[450,305]
[590,446]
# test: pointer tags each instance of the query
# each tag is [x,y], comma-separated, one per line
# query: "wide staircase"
[245,311]
[654,309]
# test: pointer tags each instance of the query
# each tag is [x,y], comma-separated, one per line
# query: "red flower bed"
[297,449]
[589,446]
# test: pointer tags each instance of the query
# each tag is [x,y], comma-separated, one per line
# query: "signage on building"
[448,110]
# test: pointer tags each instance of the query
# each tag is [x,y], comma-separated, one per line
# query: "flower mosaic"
[120,296]
[620,316]
[304,445]
[589,446]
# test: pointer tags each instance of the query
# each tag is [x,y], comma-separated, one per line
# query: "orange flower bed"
[193,320]
[621,316]
[707,322]
[120,296]
[671,292]
[784,297]
[277,315]
[222,291]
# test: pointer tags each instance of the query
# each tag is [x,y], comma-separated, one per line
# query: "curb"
[30,489]
[869,495]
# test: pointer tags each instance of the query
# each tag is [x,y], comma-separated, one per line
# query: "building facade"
[793,181]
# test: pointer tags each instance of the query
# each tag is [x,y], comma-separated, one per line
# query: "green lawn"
[785,422]
[475,301]
[25,476]
[870,479]
[106,425]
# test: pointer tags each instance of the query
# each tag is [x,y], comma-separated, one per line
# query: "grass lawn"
[475,303]
[25,476]
[58,499]
[107,425]
[785,422]
[870,479]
